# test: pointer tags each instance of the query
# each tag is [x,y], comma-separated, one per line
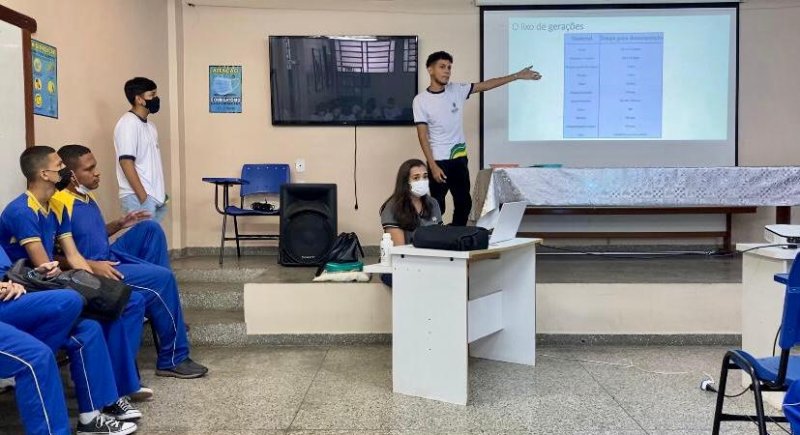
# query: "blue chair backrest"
[263,178]
[790,324]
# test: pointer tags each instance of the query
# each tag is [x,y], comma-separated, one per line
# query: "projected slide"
[613,85]
[611,75]
[620,87]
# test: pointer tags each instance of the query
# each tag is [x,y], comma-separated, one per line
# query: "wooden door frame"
[28,27]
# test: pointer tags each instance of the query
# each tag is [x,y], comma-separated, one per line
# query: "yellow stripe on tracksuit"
[458,150]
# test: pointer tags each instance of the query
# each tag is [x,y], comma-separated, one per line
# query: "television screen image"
[343,80]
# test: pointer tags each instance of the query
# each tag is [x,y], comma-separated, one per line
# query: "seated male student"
[29,228]
[34,326]
[40,398]
[139,258]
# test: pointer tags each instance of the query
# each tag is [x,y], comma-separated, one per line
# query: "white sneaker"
[7,384]
[142,395]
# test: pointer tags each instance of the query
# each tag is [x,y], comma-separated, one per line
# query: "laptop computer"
[504,222]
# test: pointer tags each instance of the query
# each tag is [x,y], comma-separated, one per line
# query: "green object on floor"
[354,266]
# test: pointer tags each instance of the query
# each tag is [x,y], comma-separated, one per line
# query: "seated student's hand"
[49,270]
[105,269]
[133,218]
[10,291]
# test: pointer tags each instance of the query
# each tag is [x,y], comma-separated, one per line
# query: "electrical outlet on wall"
[300,165]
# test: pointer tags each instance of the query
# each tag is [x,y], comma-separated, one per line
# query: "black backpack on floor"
[345,249]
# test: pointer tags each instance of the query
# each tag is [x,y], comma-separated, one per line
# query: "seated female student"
[409,207]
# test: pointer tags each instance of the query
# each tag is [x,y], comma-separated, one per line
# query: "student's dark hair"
[70,154]
[439,55]
[33,160]
[400,201]
[138,86]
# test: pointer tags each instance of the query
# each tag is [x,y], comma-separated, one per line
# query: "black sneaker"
[105,425]
[196,366]
[187,369]
[122,410]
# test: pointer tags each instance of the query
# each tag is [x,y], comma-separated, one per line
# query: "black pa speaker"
[308,223]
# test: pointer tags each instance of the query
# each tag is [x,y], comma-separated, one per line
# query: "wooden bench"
[728,211]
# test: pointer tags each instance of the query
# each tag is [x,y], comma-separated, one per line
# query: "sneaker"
[142,395]
[187,369]
[122,410]
[196,366]
[104,424]
[7,384]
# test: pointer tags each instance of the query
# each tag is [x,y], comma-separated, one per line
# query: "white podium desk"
[449,305]
[762,302]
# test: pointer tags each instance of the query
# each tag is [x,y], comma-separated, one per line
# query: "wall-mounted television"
[343,80]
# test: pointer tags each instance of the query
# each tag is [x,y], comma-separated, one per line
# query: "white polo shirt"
[443,113]
[138,140]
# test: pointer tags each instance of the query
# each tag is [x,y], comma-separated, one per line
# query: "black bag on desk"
[451,238]
[105,298]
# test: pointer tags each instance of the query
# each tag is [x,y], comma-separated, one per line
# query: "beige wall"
[176,43]
[218,144]
[101,44]
[769,56]
[333,308]
[327,308]
[13,131]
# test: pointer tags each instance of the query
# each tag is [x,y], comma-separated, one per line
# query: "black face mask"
[66,176]
[153,104]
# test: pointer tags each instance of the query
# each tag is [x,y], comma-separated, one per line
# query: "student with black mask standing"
[438,114]
[140,173]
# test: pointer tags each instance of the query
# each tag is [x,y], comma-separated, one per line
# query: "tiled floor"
[348,390]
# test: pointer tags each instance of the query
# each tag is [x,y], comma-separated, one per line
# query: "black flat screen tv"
[343,80]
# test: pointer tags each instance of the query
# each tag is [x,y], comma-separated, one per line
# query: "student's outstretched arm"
[126,221]
[524,74]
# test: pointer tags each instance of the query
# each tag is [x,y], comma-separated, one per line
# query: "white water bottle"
[386,249]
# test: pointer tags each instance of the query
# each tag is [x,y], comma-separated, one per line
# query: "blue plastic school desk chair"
[256,179]
[775,373]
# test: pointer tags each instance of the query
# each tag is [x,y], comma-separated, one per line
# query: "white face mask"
[83,190]
[419,188]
